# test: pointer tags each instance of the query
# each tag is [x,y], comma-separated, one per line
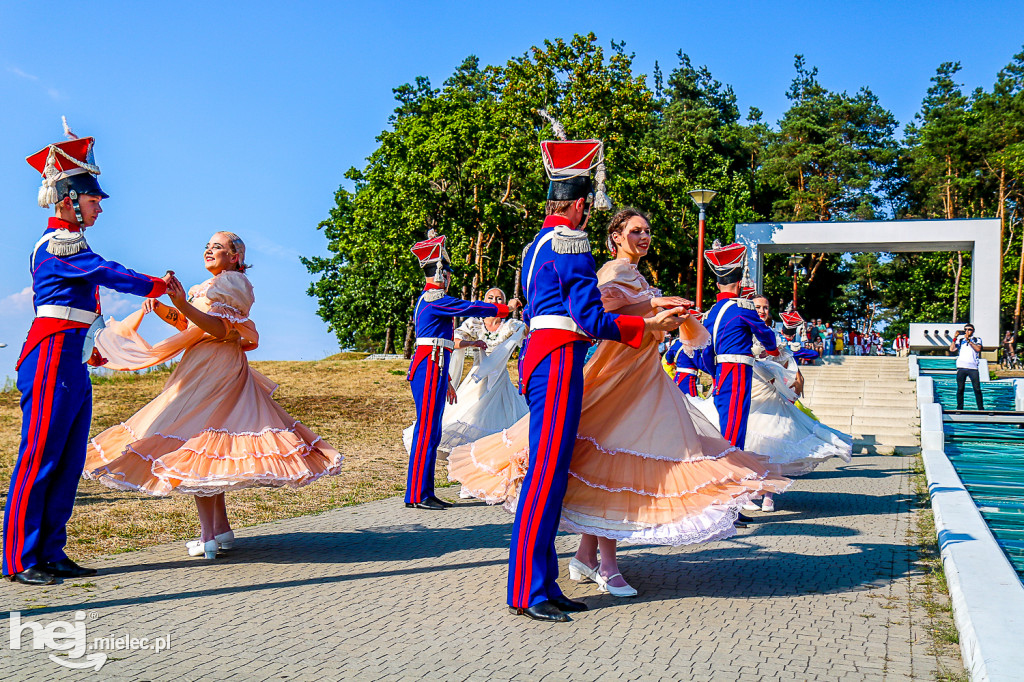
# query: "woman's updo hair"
[237,246]
[618,223]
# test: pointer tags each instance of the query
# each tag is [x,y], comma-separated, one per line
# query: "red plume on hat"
[63,160]
[431,250]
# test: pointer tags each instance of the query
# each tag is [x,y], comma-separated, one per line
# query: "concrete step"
[823,399]
[885,412]
[875,384]
[891,440]
[872,424]
[838,378]
[856,391]
[908,406]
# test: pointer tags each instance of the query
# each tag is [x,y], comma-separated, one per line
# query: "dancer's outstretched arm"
[214,326]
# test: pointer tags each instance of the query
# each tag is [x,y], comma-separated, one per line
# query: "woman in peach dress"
[647,466]
[215,427]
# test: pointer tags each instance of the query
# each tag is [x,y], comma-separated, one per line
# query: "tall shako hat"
[68,170]
[726,261]
[791,319]
[431,251]
[568,164]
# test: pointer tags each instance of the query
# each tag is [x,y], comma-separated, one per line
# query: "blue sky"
[244,117]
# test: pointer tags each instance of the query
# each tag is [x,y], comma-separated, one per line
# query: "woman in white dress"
[777,428]
[486,401]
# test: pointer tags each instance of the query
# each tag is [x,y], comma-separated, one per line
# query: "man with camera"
[968,349]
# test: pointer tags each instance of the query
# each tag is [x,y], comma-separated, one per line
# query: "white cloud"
[18,303]
[261,244]
[21,74]
[54,93]
[118,305]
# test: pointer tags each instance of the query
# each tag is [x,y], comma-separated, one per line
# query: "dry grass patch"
[359,407]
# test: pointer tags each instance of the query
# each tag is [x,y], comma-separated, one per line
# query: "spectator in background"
[814,337]
[968,348]
[829,336]
[840,347]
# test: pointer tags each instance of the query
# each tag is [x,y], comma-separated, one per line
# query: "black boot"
[545,610]
[66,568]
[33,575]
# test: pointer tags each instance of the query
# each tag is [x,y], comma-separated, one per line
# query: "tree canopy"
[463,158]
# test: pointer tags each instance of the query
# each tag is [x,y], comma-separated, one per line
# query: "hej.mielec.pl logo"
[71,640]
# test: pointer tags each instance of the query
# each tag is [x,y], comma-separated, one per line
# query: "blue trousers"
[687,383]
[56,406]
[732,400]
[430,391]
[555,395]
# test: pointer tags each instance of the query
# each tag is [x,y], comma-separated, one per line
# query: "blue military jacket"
[559,278]
[735,331]
[676,356]
[66,272]
[435,313]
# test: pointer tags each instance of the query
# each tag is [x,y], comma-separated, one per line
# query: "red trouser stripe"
[734,404]
[39,426]
[551,438]
[426,429]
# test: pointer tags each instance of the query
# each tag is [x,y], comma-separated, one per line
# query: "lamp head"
[702,197]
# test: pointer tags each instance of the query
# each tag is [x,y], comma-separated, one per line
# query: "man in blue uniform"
[565,315]
[733,324]
[56,395]
[428,371]
[684,368]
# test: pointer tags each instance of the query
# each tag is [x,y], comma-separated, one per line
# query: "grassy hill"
[359,407]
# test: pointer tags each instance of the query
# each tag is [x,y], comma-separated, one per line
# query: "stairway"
[870,398]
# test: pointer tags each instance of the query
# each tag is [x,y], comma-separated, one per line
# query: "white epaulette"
[567,240]
[433,294]
[66,243]
[745,303]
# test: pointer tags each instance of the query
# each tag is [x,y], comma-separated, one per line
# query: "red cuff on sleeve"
[772,352]
[502,309]
[159,288]
[631,329]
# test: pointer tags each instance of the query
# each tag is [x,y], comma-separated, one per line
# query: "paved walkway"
[822,589]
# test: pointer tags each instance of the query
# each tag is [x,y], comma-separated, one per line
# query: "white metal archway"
[978,236]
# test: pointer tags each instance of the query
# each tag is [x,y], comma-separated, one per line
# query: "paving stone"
[379,591]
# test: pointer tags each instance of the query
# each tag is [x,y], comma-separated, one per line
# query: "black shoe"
[438,500]
[568,605]
[66,568]
[739,524]
[546,610]
[33,575]
[743,518]
[426,504]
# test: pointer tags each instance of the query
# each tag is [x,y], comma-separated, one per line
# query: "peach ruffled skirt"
[214,428]
[647,466]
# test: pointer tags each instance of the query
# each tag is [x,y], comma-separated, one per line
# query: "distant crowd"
[826,339]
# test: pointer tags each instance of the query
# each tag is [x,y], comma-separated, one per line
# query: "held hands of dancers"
[452,395]
[515,304]
[667,320]
[671,302]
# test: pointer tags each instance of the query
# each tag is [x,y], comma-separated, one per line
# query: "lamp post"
[794,263]
[701,197]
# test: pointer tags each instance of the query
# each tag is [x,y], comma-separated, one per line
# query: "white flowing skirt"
[776,428]
[486,401]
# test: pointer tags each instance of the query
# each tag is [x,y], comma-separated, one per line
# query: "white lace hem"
[647,455]
[716,523]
